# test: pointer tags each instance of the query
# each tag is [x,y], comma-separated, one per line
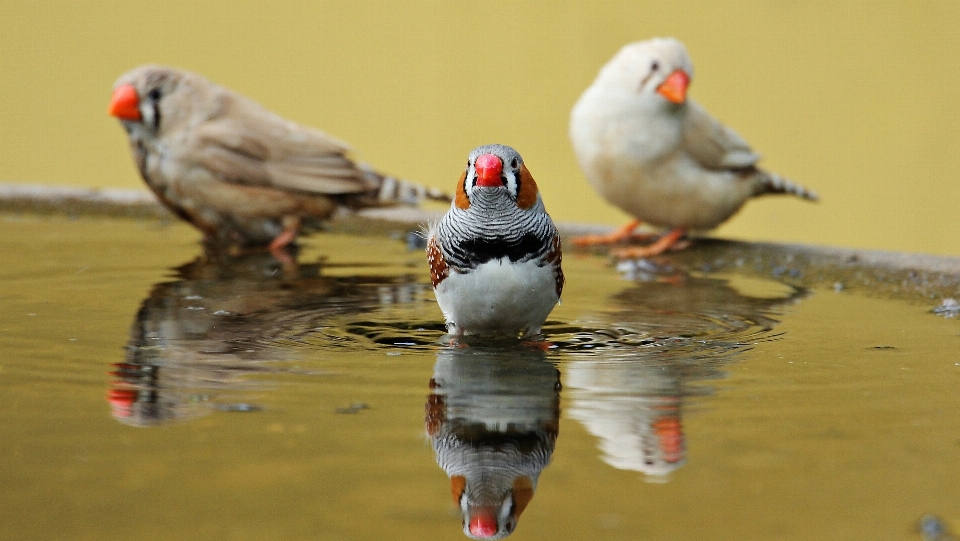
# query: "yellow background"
[856,100]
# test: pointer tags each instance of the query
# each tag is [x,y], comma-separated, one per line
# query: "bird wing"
[712,144]
[249,145]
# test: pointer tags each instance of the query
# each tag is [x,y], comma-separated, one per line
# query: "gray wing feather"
[712,144]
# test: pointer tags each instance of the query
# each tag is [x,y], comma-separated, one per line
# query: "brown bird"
[659,156]
[239,173]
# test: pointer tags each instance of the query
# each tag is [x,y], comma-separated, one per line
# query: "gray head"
[497,167]
[137,95]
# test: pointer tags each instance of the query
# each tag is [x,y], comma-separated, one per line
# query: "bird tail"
[771,183]
[391,190]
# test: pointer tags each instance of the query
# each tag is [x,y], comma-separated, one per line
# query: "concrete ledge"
[903,275]
[42,199]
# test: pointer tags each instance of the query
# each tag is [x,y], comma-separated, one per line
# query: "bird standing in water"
[495,255]
[659,156]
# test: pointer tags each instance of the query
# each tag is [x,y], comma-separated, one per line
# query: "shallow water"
[148,391]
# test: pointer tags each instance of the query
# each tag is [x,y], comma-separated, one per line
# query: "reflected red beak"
[675,87]
[125,103]
[122,401]
[489,170]
[483,522]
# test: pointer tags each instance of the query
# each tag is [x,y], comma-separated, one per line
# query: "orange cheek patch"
[528,189]
[522,494]
[462,201]
[457,484]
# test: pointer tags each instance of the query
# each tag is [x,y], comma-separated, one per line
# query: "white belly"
[633,156]
[677,193]
[498,297]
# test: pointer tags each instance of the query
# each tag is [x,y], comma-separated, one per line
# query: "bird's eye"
[154,94]
[513,163]
[654,66]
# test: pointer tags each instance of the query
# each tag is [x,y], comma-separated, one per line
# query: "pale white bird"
[659,156]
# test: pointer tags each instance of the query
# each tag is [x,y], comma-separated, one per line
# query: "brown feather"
[463,202]
[457,484]
[438,265]
[555,257]
[240,151]
[522,494]
[528,189]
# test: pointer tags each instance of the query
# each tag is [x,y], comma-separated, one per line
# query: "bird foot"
[285,237]
[542,345]
[619,235]
[671,241]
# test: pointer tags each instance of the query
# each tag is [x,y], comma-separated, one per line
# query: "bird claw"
[671,241]
[614,237]
[542,345]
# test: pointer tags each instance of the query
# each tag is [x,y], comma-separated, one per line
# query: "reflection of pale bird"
[239,173]
[495,255]
[631,398]
[659,156]
[493,418]
[634,409]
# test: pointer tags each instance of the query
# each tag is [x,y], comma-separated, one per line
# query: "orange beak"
[125,104]
[670,433]
[675,87]
[489,168]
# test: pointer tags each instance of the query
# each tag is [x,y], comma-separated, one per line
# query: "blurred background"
[856,100]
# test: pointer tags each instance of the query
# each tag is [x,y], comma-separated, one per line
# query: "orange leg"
[290,229]
[278,247]
[613,237]
[664,243]
[543,345]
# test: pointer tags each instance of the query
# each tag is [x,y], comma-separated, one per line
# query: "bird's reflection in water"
[493,417]
[198,338]
[672,336]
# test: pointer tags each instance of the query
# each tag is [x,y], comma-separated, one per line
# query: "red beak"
[125,104]
[489,170]
[483,522]
[675,87]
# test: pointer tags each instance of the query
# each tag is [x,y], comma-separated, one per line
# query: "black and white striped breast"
[493,228]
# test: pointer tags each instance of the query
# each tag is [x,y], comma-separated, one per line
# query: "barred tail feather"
[772,183]
[395,190]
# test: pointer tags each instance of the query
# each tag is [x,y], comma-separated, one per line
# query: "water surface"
[151,391]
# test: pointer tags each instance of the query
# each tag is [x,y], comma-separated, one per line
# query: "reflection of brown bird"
[239,173]
[659,156]
[493,418]
[196,338]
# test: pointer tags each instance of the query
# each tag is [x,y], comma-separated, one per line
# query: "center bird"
[495,255]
